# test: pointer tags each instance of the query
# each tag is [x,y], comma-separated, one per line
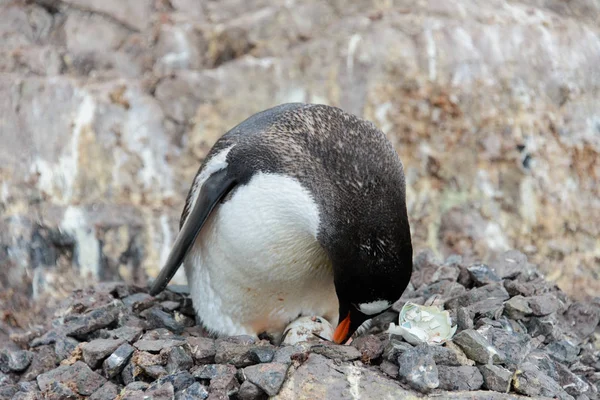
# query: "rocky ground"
[517,336]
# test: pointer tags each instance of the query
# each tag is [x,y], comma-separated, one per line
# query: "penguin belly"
[257,265]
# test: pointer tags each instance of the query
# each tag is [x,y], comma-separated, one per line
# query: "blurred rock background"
[107,109]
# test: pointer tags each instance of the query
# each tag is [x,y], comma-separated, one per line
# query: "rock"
[15,361]
[179,380]
[529,380]
[448,356]
[155,346]
[394,347]
[64,346]
[179,358]
[127,373]
[459,378]
[570,382]
[482,275]
[233,353]
[223,386]
[44,359]
[211,371]
[139,302]
[96,351]
[543,305]
[286,354]
[262,354]
[563,351]
[477,348]
[487,292]
[517,308]
[427,269]
[161,392]
[203,349]
[369,346]
[510,265]
[496,378]
[83,379]
[418,369]
[154,371]
[129,334]
[249,391]
[157,318]
[96,319]
[583,318]
[192,392]
[60,391]
[115,363]
[389,369]
[169,305]
[337,352]
[548,326]
[464,319]
[513,346]
[108,391]
[269,376]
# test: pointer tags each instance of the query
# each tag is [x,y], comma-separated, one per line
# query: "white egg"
[304,328]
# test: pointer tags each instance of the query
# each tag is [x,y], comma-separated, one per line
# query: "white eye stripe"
[374,307]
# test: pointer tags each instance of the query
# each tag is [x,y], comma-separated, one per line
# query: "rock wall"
[108,107]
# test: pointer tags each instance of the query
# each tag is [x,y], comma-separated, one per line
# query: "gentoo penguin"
[299,210]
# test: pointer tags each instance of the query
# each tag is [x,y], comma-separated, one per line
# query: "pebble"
[543,305]
[96,319]
[96,351]
[115,363]
[477,348]
[481,274]
[563,351]
[496,378]
[418,369]
[15,361]
[517,308]
[262,354]
[269,376]
[179,358]
[337,352]
[531,381]
[249,391]
[210,371]
[79,375]
[108,391]
[180,380]
[513,346]
[193,392]
[203,349]
[459,378]
[491,291]
[158,318]
[369,346]
[64,346]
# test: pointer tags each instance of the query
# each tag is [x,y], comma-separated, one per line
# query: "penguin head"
[367,286]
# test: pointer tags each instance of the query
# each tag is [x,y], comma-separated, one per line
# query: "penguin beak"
[342,332]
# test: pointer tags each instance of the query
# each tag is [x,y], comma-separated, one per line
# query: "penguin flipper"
[214,189]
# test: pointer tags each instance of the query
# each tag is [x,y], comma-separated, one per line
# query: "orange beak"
[341,332]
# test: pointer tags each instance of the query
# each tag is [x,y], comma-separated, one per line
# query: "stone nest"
[518,335]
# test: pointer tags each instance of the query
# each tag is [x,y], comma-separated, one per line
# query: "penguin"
[299,210]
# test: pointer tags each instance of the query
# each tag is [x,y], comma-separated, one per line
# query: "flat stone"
[96,319]
[477,348]
[530,380]
[234,353]
[517,308]
[15,361]
[169,305]
[543,305]
[180,380]
[487,292]
[115,363]
[286,353]
[481,274]
[145,359]
[157,318]
[418,369]
[203,349]
[179,358]
[96,351]
[459,378]
[211,371]
[262,354]
[268,376]
[496,378]
[139,302]
[563,351]
[79,375]
[156,346]
[249,391]
[337,352]
[513,346]
[369,346]
[128,333]
[108,391]
[193,392]
[64,346]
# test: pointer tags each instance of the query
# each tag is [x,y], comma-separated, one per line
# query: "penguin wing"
[212,191]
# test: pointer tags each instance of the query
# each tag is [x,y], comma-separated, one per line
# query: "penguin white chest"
[257,265]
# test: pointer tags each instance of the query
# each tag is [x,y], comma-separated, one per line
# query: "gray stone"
[154,371]
[135,386]
[487,292]
[203,349]
[389,368]
[237,354]
[162,392]
[517,307]
[115,363]
[570,382]
[15,361]
[96,351]
[268,376]
[510,265]
[60,391]
[44,359]
[583,318]
[543,305]
[418,369]
[496,378]
[223,386]
[179,358]
[169,305]
[96,319]
[394,347]
[336,351]
[127,333]
[286,353]
[108,391]
[513,346]
[79,375]
[262,354]
[477,348]
[459,378]
[447,356]
[249,391]
[211,371]
[180,380]
[464,320]
[530,380]
[155,346]
[139,302]
[157,318]
[193,392]
[563,351]
[64,346]
[481,274]
[127,373]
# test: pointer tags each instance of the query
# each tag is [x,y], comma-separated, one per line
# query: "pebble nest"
[516,334]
